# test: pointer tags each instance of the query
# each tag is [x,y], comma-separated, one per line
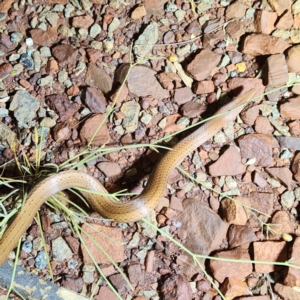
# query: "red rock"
[239,235]
[183,95]
[74,284]
[89,128]
[82,21]
[292,59]
[95,100]
[235,29]
[222,269]
[61,132]
[249,115]
[97,78]
[264,21]
[293,275]
[121,95]
[232,288]
[282,223]
[283,174]
[193,109]
[166,81]
[262,202]
[203,87]
[237,84]
[5,5]
[112,245]
[278,71]
[203,64]
[63,107]
[294,127]
[290,110]
[259,181]
[105,293]
[155,7]
[64,53]
[286,292]
[263,125]
[233,212]
[135,274]
[150,261]
[269,251]
[296,166]
[176,287]
[170,123]
[236,10]
[285,21]
[263,44]
[229,163]
[5,70]
[110,169]
[142,82]
[258,146]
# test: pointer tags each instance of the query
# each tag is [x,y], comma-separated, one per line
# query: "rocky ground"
[61,65]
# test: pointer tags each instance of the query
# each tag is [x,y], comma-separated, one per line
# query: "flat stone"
[296,166]
[258,146]
[289,142]
[64,53]
[110,169]
[286,292]
[130,110]
[269,251]
[282,223]
[293,275]
[138,86]
[264,21]
[249,115]
[138,12]
[229,163]
[292,59]
[236,10]
[109,238]
[203,63]
[277,70]
[204,234]
[222,269]
[203,87]
[89,128]
[183,95]
[263,125]
[62,106]
[232,288]
[105,293]
[239,235]
[282,174]
[97,78]
[176,287]
[82,21]
[290,110]
[264,44]
[193,109]
[262,202]
[95,100]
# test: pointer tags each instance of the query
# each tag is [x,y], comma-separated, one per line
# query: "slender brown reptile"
[106,206]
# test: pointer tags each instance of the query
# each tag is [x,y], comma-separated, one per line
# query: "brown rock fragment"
[259,180]
[193,109]
[203,87]
[89,128]
[263,44]
[285,21]
[239,235]
[292,59]
[64,54]
[183,95]
[262,202]
[264,21]
[5,5]
[233,212]
[235,29]
[232,288]
[105,293]
[62,106]
[142,82]
[237,84]
[281,223]
[293,275]
[236,10]
[223,269]
[176,287]
[113,245]
[249,115]
[283,174]
[291,110]
[61,132]
[269,251]
[203,63]
[95,100]
[229,163]
[278,71]
[294,127]
[41,37]
[97,78]
[5,70]
[263,125]
[258,146]
[296,166]
[82,21]
[286,292]
[109,169]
